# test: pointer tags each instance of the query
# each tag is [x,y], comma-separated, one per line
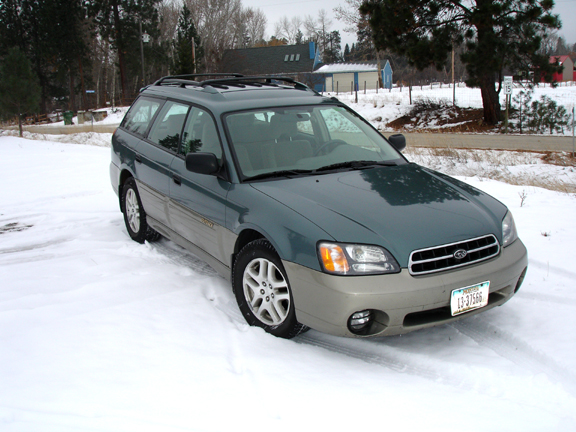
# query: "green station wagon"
[316,219]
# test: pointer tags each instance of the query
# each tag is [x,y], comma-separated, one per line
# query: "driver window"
[200,135]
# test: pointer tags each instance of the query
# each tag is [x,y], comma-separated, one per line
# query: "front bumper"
[402,302]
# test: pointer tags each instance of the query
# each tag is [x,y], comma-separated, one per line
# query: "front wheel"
[263,292]
[134,215]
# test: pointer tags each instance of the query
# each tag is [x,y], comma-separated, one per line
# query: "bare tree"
[256,25]
[316,29]
[169,11]
[288,28]
[549,43]
[350,15]
[358,24]
[213,19]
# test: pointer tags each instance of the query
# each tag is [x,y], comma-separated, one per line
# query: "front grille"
[440,258]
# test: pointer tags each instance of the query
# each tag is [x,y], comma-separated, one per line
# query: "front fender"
[293,236]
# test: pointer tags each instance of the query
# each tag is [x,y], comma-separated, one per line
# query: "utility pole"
[142,52]
[193,56]
[144,38]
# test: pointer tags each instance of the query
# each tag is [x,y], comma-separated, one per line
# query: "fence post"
[573,136]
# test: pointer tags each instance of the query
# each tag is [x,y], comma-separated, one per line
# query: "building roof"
[560,58]
[283,59]
[348,67]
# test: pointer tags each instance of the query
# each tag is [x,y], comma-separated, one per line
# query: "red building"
[568,73]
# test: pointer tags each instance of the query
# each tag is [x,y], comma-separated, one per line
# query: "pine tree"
[299,37]
[119,22]
[332,48]
[19,89]
[495,35]
[184,62]
[51,35]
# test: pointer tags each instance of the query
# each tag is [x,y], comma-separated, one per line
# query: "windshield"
[305,139]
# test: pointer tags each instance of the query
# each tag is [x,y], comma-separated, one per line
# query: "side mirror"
[202,163]
[398,141]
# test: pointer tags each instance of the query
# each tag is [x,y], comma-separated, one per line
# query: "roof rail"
[253,81]
[188,79]
[226,80]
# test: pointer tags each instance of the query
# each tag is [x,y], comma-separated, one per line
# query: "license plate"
[469,298]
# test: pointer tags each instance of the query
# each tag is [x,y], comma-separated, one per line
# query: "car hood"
[401,208]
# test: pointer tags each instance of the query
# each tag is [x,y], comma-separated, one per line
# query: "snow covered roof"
[347,67]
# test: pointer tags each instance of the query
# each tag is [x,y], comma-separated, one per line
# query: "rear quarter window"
[140,115]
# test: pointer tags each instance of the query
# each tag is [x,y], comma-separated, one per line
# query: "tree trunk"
[379,67]
[120,45]
[72,101]
[84,104]
[484,61]
[490,100]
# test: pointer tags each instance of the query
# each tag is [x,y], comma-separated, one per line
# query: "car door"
[154,159]
[197,206]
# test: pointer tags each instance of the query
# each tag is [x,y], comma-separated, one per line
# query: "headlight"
[509,234]
[353,259]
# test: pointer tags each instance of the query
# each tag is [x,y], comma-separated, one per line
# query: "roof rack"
[226,80]
[258,81]
[188,79]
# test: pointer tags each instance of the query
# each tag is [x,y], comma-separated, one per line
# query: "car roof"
[237,93]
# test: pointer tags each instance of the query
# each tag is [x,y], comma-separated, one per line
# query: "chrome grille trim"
[439,258]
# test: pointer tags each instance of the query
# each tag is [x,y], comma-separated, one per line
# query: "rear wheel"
[263,292]
[134,215]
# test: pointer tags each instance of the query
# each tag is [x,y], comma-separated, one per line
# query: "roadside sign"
[508,85]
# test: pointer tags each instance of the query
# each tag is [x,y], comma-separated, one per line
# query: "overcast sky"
[276,9]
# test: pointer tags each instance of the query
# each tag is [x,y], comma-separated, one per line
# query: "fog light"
[360,321]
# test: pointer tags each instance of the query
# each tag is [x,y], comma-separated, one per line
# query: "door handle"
[177,179]
[138,158]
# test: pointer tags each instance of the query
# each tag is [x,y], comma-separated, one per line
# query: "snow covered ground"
[383,107]
[98,333]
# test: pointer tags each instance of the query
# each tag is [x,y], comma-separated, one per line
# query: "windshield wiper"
[273,174]
[362,164]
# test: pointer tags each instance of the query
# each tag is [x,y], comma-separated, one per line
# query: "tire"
[134,215]
[263,292]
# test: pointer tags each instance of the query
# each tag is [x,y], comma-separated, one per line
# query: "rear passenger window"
[140,115]
[200,134]
[168,125]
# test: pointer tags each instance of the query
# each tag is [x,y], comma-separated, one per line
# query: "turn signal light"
[333,258]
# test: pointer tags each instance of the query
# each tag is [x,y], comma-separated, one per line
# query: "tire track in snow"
[487,336]
[181,256]
[353,348]
[32,247]
[552,269]
[516,351]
